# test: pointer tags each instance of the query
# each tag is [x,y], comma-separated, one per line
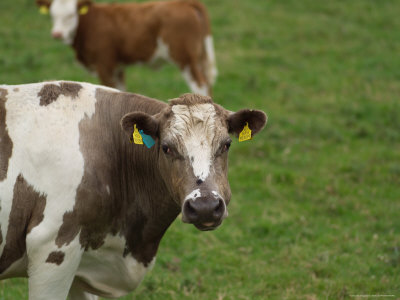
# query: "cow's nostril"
[219,209]
[56,35]
[190,211]
[199,181]
[204,211]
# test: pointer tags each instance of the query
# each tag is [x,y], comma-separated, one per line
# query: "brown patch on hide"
[120,192]
[56,257]
[96,213]
[50,92]
[6,143]
[26,213]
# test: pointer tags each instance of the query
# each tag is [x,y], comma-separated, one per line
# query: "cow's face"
[65,17]
[193,145]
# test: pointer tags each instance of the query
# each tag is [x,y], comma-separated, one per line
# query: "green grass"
[315,212]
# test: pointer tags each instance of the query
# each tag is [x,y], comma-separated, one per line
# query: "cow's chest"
[106,272]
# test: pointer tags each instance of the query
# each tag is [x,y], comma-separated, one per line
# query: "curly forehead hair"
[190,99]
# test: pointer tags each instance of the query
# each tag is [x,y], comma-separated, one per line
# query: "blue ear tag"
[147,139]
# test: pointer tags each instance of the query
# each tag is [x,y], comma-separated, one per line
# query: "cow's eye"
[227,146]
[166,149]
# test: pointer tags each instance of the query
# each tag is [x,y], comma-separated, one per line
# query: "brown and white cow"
[107,37]
[82,209]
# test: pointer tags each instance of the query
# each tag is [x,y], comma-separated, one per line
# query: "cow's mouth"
[207,226]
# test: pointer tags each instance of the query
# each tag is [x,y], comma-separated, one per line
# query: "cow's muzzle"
[206,213]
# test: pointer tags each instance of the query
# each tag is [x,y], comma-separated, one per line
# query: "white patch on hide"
[193,195]
[46,153]
[49,280]
[161,52]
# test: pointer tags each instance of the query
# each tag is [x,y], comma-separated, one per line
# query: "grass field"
[315,212]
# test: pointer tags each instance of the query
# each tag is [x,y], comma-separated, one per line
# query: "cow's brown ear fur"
[41,3]
[255,118]
[143,121]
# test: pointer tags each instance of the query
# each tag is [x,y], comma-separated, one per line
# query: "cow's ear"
[83,6]
[41,3]
[143,121]
[256,120]
[44,6]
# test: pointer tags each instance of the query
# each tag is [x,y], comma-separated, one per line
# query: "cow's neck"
[132,197]
[150,209]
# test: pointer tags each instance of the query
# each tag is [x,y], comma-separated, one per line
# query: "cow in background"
[107,37]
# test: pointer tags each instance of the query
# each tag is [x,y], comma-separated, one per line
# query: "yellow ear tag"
[137,138]
[245,135]
[84,10]
[44,10]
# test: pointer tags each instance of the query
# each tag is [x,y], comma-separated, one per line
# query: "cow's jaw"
[65,20]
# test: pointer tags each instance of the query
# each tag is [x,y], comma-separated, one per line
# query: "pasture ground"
[315,212]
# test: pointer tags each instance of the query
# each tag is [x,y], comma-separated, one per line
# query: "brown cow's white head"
[65,16]
[193,143]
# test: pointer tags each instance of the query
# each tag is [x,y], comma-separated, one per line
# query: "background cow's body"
[110,36]
[79,203]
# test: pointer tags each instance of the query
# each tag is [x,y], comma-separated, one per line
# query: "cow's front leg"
[119,78]
[51,270]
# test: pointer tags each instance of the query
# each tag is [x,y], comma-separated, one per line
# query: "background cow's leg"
[195,79]
[51,270]
[76,293]
[209,62]
[119,79]
[106,73]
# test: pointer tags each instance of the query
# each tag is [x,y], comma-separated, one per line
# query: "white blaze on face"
[194,127]
[65,19]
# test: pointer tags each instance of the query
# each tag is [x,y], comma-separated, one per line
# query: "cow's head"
[65,16]
[193,143]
